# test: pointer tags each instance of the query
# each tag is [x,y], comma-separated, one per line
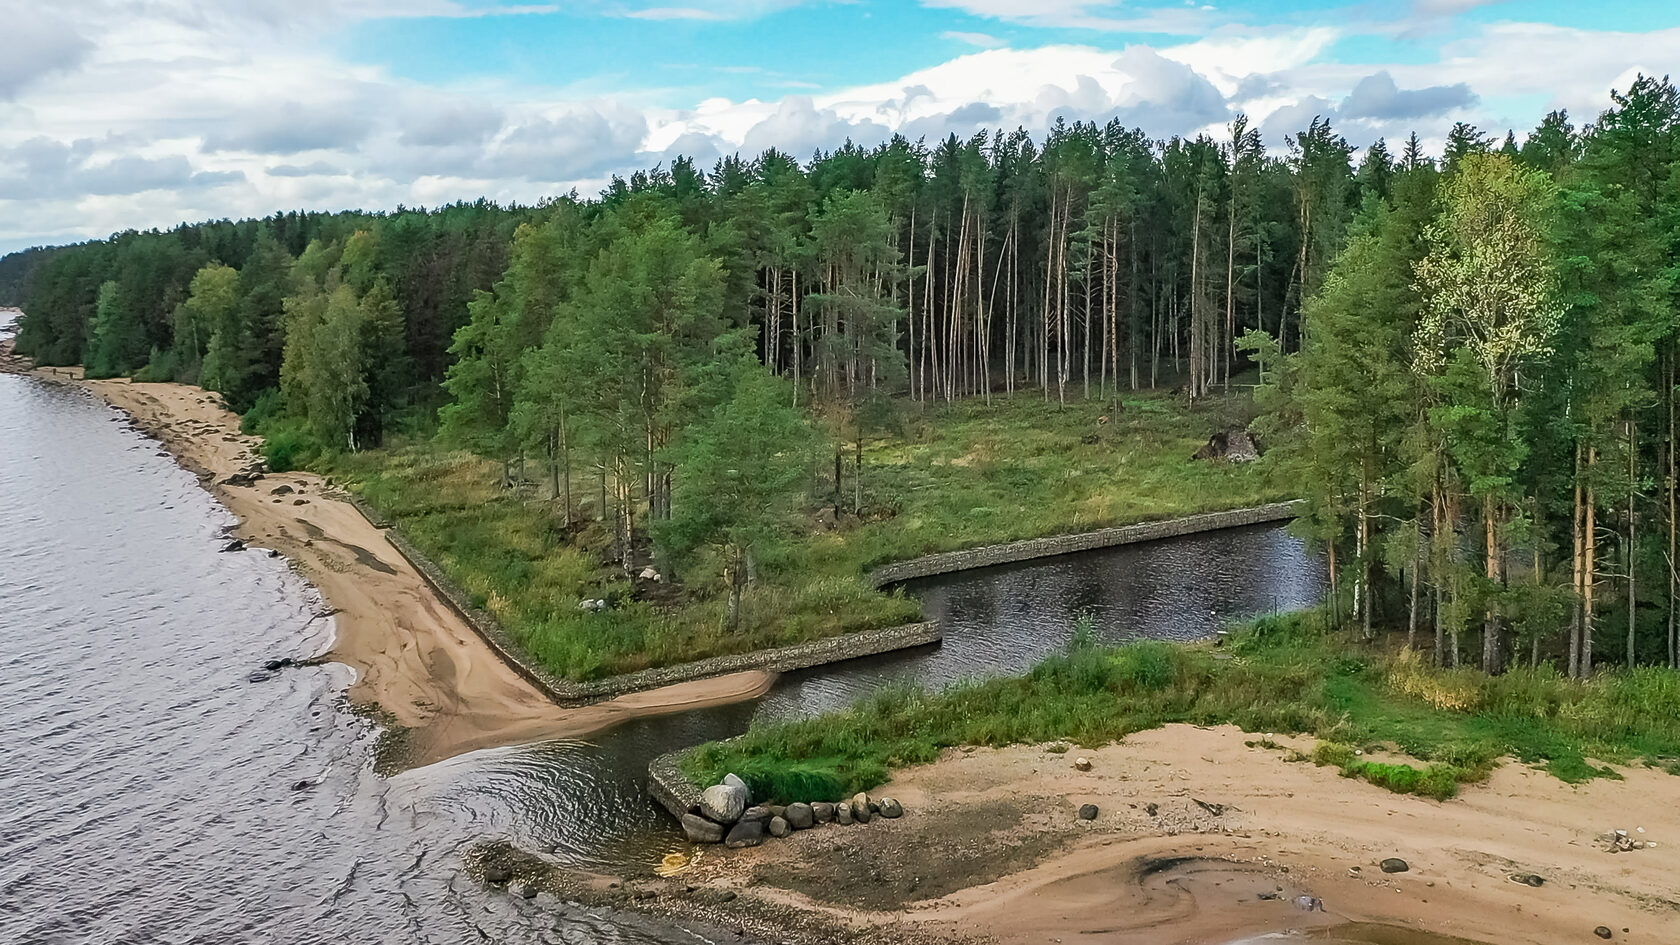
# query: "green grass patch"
[1284,674]
[942,479]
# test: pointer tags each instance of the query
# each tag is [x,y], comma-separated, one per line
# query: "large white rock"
[723,803]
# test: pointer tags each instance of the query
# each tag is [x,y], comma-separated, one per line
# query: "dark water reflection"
[147,788]
[1004,619]
[998,620]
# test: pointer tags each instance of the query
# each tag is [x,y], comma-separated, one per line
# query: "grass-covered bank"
[938,479]
[1285,674]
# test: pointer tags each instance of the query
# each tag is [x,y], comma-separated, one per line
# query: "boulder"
[723,803]
[1234,446]
[734,781]
[822,812]
[1529,879]
[760,814]
[843,814]
[497,874]
[801,816]
[891,809]
[779,827]
[1394,865]
[1088,812]
[747,833]
[777,810]
[1602,931]
[235,545]
[1082,763]
[280,490]
[860,808]
[700,830]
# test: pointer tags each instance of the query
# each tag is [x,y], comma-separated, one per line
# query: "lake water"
[153,794]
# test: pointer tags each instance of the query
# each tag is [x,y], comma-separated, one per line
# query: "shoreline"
[990,846]
[414,657]
[1209,835]
[454,682]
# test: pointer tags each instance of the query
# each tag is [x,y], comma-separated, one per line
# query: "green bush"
[161,367]
[269,406]
[289,447]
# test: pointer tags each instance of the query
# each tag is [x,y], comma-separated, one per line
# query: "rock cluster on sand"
[249,475]
[726,815]
[1618,841]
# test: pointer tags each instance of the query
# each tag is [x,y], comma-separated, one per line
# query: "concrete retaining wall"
[816,652]
[777,660]
[781,659]
[1085,541]
[670,787]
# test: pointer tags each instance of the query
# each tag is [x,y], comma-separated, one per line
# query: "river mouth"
[165,794]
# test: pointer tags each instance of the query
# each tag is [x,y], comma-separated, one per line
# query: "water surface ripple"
[152,793]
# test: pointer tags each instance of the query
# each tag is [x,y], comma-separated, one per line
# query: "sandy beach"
[1203,835]
[1201,838]
[414,657]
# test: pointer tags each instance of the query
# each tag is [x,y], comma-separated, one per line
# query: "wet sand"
[414,657]
[991,847]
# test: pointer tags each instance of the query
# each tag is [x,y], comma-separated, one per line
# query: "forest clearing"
[933,479]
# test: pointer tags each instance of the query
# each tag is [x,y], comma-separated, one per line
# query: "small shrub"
[268,406]
[289,448]
[161,367]
[1333,754]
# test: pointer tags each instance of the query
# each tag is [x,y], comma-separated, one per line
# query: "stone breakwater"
[775,660]
[1011,552]
[725,813]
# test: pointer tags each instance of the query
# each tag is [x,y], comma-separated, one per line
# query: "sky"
[118,114]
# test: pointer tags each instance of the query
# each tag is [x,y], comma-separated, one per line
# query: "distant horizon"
[141,116]
[1434,146]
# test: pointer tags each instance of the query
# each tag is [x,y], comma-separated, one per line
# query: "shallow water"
[151,790]
[149,787]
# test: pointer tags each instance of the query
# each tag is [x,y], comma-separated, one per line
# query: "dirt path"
[991,846]
[413,655]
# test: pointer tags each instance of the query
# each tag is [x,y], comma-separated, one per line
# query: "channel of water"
[153,792]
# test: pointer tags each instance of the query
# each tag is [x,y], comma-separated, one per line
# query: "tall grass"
[1288,675]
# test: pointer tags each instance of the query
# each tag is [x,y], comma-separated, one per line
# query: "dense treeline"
[207,302]
[16,270]
[1472,360]
[1484,405]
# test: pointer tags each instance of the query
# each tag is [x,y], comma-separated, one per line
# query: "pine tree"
[742,465]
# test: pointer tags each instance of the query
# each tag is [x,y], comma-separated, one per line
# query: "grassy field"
[941,479]
[1279,674]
